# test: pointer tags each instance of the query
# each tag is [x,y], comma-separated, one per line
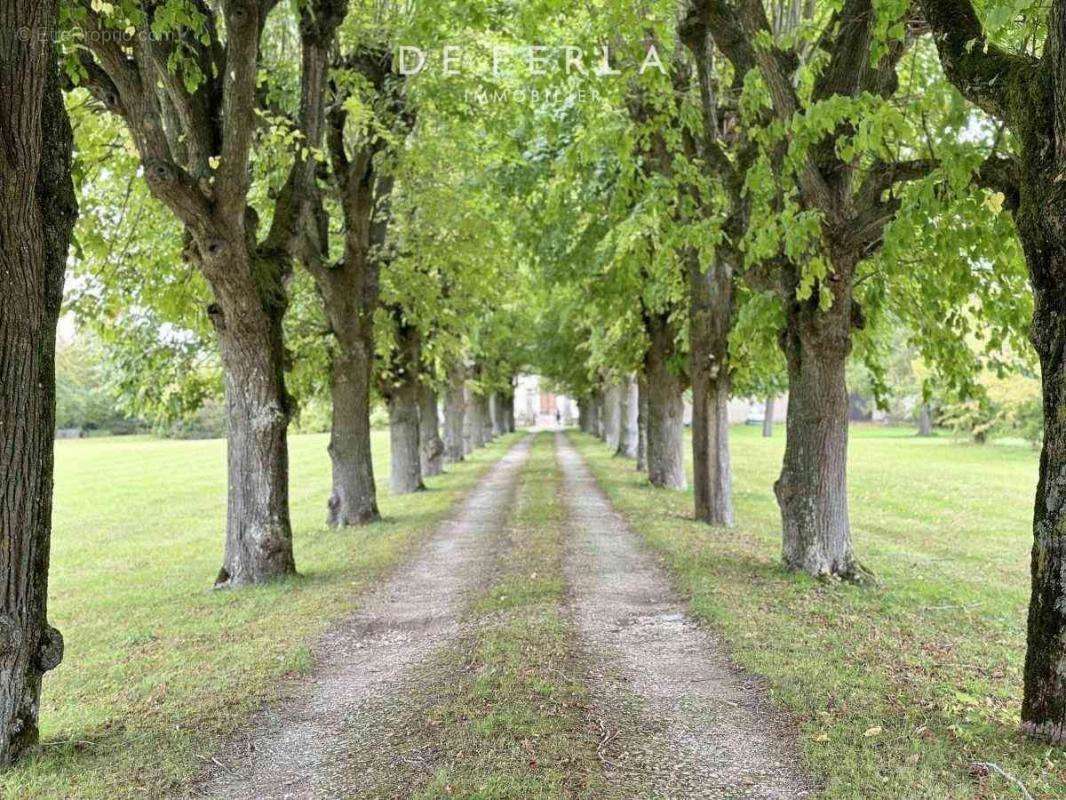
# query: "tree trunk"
[597,413]
[642,423]
[711,471]
[1040,225]
[812,490]
[507,409]
[710,319]
[612,415]
[405,468]
[627,431]
[1044,706]
[473,427]
[499,415]
[485,402]
[666,409]
[36,218]
[431,445]
[768,418]
[925,421]
[454,413]
[583,421]
[404,396]
[258,530]
[353,500]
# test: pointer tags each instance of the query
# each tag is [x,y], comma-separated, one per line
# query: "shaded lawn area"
[158,666]
[900,687]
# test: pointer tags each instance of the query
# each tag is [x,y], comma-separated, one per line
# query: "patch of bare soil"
[298,749]
[678,720]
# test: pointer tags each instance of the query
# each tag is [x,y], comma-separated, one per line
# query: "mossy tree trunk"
[1028,95]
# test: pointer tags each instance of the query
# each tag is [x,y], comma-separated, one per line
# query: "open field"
[159,667]
[900,687]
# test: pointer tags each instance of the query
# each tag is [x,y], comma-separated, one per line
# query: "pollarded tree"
[838,149]
[368,119]
[37,216]
[185,78]
[991,64]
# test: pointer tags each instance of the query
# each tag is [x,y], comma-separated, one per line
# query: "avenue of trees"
[265,204]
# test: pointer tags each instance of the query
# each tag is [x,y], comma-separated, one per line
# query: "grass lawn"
[900,687]
[159,667]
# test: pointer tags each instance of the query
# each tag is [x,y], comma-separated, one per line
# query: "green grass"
[899,687]
[510,722]
[159,667]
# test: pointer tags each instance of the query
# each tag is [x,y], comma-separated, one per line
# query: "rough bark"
[37,215]
[353,499]
[925,420]
[666,408]
[258,530]
[1044,705]
[431,445]
[812,490]
[403,392]
[768,418]
[710,320]
[627,432]
[584,420]
[642,423]
[454,414]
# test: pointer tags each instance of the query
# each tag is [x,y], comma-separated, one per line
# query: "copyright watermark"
[27,35]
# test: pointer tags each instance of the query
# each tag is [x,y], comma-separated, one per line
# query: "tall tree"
[367,117]
[1026,92]
[37,214]
[843,203]
[185,78]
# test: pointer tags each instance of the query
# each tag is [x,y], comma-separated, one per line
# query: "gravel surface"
[677,719]
[300,748]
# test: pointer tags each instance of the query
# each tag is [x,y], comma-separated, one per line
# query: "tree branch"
[244,25]
[319,22]
[1001,174]
[981,70]
[882,176]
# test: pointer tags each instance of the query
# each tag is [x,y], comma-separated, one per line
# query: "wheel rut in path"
[680,720]
[297,749]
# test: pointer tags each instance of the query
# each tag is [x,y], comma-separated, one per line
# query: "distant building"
[535,407]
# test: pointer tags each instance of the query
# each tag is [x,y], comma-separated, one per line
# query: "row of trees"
[737,197]
[802,181]
[290,227]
